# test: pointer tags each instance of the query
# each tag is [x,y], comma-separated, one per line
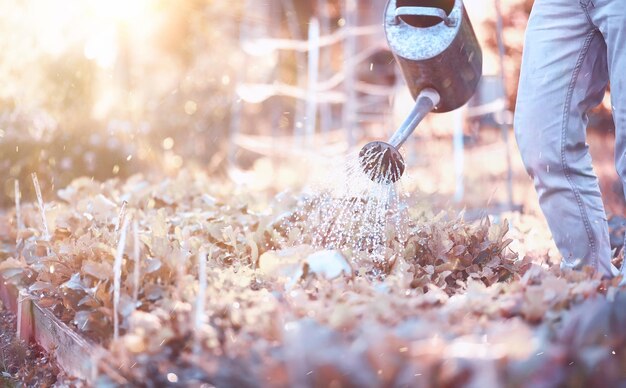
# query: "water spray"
[434,44]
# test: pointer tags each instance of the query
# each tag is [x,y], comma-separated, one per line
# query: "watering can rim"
[398,33]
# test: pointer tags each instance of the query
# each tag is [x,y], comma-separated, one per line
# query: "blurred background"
[257,93]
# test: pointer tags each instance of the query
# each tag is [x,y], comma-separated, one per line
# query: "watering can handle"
[424,11]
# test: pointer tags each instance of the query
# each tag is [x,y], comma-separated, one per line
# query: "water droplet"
[168,143]
[172,378]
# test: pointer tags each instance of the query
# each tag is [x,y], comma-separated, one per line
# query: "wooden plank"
[75,355]
[25,319]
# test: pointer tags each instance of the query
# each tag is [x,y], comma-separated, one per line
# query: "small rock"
[286,262]
[144,321]
[134,343]
[290,263]
[329,264]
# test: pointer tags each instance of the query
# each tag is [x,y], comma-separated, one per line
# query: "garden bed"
[77,357]
[231,289]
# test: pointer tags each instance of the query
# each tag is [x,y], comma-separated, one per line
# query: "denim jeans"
[573,48]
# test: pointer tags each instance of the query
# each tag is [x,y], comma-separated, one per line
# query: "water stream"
[350,211]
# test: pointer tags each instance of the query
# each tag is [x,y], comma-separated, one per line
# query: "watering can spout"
[426,101]
[434,44]
[382,161]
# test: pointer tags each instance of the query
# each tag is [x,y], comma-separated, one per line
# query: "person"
[573,49]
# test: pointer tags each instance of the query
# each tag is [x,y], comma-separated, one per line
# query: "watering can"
[434,44]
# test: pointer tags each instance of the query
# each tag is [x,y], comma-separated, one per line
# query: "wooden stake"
[200,299]
[117,278]
[42,207]
[136,255]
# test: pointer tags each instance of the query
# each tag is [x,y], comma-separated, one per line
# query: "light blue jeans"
[573,48]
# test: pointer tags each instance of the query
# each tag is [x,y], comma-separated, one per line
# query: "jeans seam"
[585,7]
[564,165]
[621,267]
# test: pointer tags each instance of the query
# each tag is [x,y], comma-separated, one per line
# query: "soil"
[23,364]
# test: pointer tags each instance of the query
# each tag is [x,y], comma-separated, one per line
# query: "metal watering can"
[434,43]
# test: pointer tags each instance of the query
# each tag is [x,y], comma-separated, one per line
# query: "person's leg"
[610,18]
[564,74]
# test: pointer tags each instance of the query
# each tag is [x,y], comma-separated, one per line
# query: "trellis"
[325,102]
